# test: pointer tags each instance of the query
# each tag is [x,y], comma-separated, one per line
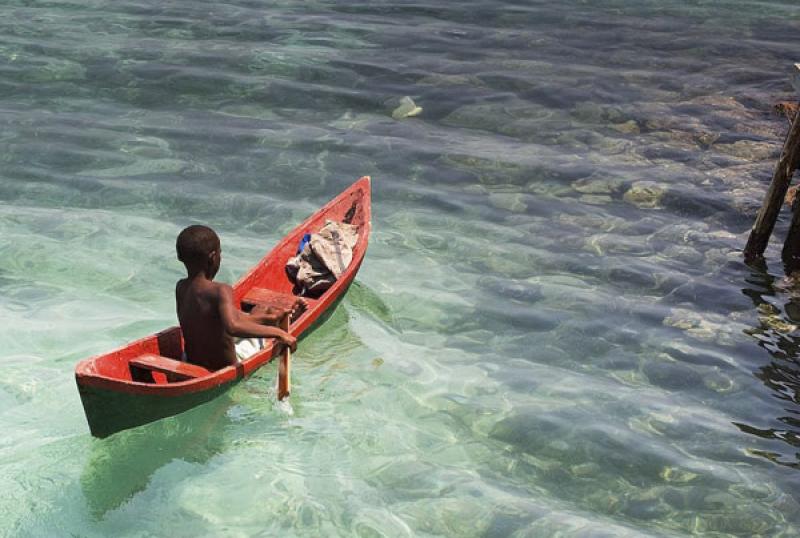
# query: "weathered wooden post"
[791,248]
[768,214]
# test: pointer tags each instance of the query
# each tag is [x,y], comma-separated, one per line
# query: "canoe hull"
[109,412]
[114,399]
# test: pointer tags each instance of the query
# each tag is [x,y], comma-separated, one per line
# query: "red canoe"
[144,381]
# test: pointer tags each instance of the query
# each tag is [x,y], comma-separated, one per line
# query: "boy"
[208,318]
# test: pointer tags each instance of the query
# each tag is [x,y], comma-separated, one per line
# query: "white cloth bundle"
[323,259]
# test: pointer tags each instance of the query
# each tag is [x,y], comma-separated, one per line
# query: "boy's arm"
[243,326]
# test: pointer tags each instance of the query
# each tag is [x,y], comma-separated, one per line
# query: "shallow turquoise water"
[552,334]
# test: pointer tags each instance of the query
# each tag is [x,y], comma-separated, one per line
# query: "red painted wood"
[111,371]
[148,361]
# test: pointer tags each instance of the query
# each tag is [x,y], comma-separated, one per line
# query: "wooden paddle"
[285,365]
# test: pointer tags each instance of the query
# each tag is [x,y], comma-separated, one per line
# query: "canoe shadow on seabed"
[122,465]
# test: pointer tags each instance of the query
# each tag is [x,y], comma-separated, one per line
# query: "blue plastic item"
[303,242]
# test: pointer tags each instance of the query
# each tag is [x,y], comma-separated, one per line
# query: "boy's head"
[199,249]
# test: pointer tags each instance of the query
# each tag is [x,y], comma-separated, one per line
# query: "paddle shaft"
[285,365]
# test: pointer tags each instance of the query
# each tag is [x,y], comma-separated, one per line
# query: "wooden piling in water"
[791,247]
[768,214]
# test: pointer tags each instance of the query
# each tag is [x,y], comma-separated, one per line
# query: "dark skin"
[210,320]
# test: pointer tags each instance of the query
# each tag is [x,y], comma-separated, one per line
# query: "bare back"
[205,339]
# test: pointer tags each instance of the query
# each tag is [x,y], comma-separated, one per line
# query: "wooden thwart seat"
[174,370]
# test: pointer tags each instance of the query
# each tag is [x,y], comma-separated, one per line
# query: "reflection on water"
[775,300]
[123,464]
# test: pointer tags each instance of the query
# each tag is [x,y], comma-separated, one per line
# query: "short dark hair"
[195,243]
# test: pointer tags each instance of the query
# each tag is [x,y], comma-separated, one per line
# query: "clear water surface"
[552,334]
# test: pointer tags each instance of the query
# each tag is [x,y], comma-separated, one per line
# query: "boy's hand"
[272,315]
[268,314]
[288,340]
[300,306]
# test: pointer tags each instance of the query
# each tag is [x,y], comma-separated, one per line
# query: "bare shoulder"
[223,295]
[179,287]
[222,291]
